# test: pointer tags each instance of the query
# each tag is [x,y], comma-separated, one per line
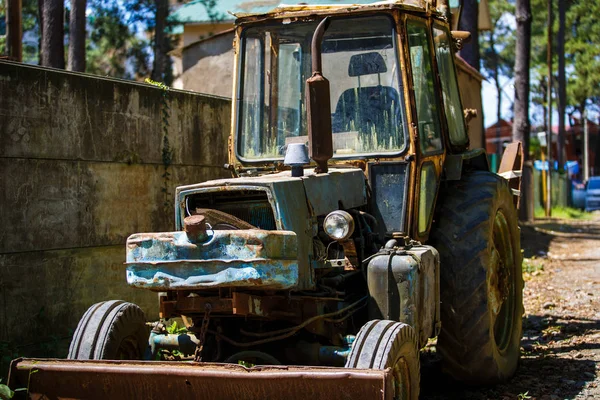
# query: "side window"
[427,191]
[424,87]
[289,87]
[252,95]
[451,95]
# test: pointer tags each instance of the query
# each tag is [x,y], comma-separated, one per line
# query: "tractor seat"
[368,109]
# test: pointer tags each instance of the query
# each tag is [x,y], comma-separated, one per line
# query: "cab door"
[427,112]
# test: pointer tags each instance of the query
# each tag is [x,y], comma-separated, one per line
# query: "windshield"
[593,184]
[360,62]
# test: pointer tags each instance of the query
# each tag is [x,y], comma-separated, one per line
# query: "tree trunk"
[53,48]
[160,40]
[77,36]
[521,125]
[562,82]
[468,22]
[544,90]
[14,30]
[498,94]
[41,25]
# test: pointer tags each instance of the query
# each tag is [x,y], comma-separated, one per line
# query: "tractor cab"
[360,59]
[392,109]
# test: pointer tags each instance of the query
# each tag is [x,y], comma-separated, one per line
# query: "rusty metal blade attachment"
[73,379]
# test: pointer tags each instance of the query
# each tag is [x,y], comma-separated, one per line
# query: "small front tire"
[388,344]
[110,330]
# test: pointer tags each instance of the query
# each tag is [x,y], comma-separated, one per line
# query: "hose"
[283,333]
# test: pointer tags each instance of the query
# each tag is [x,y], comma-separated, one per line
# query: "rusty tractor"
[357,225]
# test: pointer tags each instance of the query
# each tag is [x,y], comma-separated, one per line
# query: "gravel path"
[560,355]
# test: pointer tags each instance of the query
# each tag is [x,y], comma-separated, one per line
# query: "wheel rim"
[401,374]
[128,349]
[501,293]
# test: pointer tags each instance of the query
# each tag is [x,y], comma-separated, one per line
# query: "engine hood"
[323,193]
[296,203]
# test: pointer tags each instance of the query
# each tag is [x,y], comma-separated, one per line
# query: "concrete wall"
[208,65]
[192,32]
[81,168]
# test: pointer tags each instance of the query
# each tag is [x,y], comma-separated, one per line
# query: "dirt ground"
[560,350]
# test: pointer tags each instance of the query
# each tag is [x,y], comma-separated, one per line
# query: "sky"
[489,99]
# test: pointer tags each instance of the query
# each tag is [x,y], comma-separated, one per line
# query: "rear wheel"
[389,344]
[110,330]
[481,281]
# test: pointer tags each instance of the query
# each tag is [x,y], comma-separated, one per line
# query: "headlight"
[339,225]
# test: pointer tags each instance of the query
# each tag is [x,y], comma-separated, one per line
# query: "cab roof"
[304,10]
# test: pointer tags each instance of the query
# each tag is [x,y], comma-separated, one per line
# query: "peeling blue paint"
[236,258]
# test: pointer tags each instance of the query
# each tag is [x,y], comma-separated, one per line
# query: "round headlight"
[339,225]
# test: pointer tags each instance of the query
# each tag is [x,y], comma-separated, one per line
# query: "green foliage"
[29,20]
[176,329]
[581,53]
[500,42]
[582,47]
[523,396]
[114,47]
[157,84]
[5,392]
[246,364]
[2,27]
[563,213]
[531,265]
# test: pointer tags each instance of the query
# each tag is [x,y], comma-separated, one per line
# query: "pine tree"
[52,42]
[77,21]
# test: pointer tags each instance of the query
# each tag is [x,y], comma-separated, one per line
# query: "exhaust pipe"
[318,107]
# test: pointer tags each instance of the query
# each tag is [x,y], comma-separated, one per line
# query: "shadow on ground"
[544,369]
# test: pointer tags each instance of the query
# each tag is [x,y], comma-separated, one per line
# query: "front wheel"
[389,344]
[481,281]
[110,330]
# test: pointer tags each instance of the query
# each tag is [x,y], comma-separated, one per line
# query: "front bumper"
[592,204]
[237,258]
[104,379]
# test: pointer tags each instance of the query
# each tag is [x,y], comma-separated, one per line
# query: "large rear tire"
[110,330]
[481,282]
[389,344]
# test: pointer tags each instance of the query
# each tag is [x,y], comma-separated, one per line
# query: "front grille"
[255,213]
[251,207]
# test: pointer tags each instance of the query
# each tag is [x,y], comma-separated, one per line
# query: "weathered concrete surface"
[54,204]
[207,65]
[81,168]
[60,115]
[44,293]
